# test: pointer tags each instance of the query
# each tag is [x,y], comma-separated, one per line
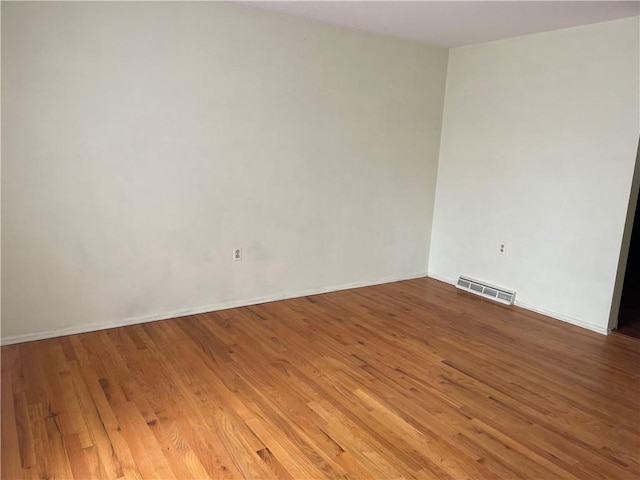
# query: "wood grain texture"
[405,380]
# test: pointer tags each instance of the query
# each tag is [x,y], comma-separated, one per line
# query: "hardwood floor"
[411,379]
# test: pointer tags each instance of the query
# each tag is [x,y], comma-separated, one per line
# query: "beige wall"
[141,142]
[538,148]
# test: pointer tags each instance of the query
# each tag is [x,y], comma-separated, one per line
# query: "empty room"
[308,240]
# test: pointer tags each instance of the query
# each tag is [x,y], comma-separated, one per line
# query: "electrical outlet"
[237,254]
[502,249]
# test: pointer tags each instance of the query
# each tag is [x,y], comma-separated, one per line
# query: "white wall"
[538,149]
[141,142]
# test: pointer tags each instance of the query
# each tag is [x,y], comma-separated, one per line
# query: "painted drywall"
[538,148]
[143,141]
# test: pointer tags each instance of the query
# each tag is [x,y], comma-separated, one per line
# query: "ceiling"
[455,23]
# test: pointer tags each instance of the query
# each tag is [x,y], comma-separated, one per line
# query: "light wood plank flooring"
[406,380]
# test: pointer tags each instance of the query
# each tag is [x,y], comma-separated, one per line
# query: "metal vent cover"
[483,289]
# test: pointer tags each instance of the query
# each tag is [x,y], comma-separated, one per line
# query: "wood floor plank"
[25,434]
[10,461]
[411,379]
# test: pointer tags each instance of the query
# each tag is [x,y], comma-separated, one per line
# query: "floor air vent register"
[491,292]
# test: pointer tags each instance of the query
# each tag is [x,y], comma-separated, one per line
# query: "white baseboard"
[442,279]
[542,311]
[92,327]
[564,318]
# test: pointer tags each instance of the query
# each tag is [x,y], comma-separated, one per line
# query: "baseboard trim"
[564,318]
[94,327]
[435,276]
[542,311]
